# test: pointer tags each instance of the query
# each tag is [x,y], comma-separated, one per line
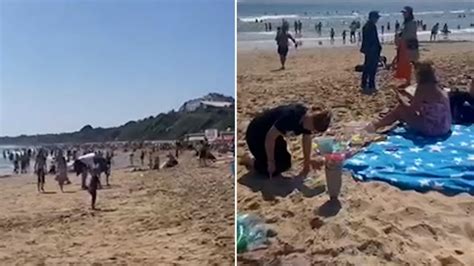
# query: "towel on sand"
[412,162]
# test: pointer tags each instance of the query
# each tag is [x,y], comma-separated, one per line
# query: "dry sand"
[375,224]
[180,216]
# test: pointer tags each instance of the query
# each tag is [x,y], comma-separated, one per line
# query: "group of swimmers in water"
[429,112]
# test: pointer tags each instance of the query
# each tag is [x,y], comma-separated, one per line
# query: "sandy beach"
[178,216]
[375,224]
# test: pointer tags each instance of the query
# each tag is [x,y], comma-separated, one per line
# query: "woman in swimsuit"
[427,112]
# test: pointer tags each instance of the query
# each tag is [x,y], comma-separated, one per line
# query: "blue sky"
[65,64]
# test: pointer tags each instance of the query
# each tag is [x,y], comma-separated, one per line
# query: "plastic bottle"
[251,232]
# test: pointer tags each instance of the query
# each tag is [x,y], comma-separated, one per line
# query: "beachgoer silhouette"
[371,49]
[282,38]
[353,29]
[434,32]
[40,169]
[332,34]
[344,34]
[445,30]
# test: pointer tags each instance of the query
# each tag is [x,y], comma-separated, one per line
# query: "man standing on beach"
[282,42]
[353,28]
[40,169]
[371,49]
[434,32]
[332,35]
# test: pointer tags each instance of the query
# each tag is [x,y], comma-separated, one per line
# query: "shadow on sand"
[277,70]
[48,192]
[278,186]
[105,210]
[329,208]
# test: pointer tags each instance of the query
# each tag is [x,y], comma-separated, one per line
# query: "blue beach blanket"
[411,162]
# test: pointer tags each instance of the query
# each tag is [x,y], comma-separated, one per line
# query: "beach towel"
[412,162]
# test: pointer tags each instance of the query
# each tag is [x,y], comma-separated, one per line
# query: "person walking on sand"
[61,174]
[132,154]
[353,28]
[344,34]
[94,182]
[434,32]
[445,30]
[282,41]
[40,169]
[332,33]
[266,133]
[371,49]
[142,158]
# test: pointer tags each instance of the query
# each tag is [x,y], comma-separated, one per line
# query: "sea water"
[339,15]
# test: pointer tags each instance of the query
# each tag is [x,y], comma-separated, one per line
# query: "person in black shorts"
[282,42]
[40,169]
[265,137]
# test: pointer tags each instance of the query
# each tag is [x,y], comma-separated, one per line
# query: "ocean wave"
[268,17]
[429,13]
[333,16]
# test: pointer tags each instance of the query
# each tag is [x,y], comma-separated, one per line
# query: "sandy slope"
[375,224]
[181,216]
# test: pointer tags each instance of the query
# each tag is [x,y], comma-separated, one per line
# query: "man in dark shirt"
[265,137]
[371,48]
[282,42]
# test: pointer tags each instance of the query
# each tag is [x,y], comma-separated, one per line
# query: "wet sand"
[374,223]
[179,216]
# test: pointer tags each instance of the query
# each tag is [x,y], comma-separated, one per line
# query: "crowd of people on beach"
[355,30]
[430,111]
[91,161]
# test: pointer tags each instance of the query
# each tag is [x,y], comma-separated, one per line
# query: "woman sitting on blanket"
[266,137]
[427,112]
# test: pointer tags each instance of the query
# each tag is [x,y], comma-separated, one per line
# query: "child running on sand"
[282,38]
[427,112]
[265,137]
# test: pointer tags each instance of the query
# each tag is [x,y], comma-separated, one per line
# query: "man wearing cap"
[371,49]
